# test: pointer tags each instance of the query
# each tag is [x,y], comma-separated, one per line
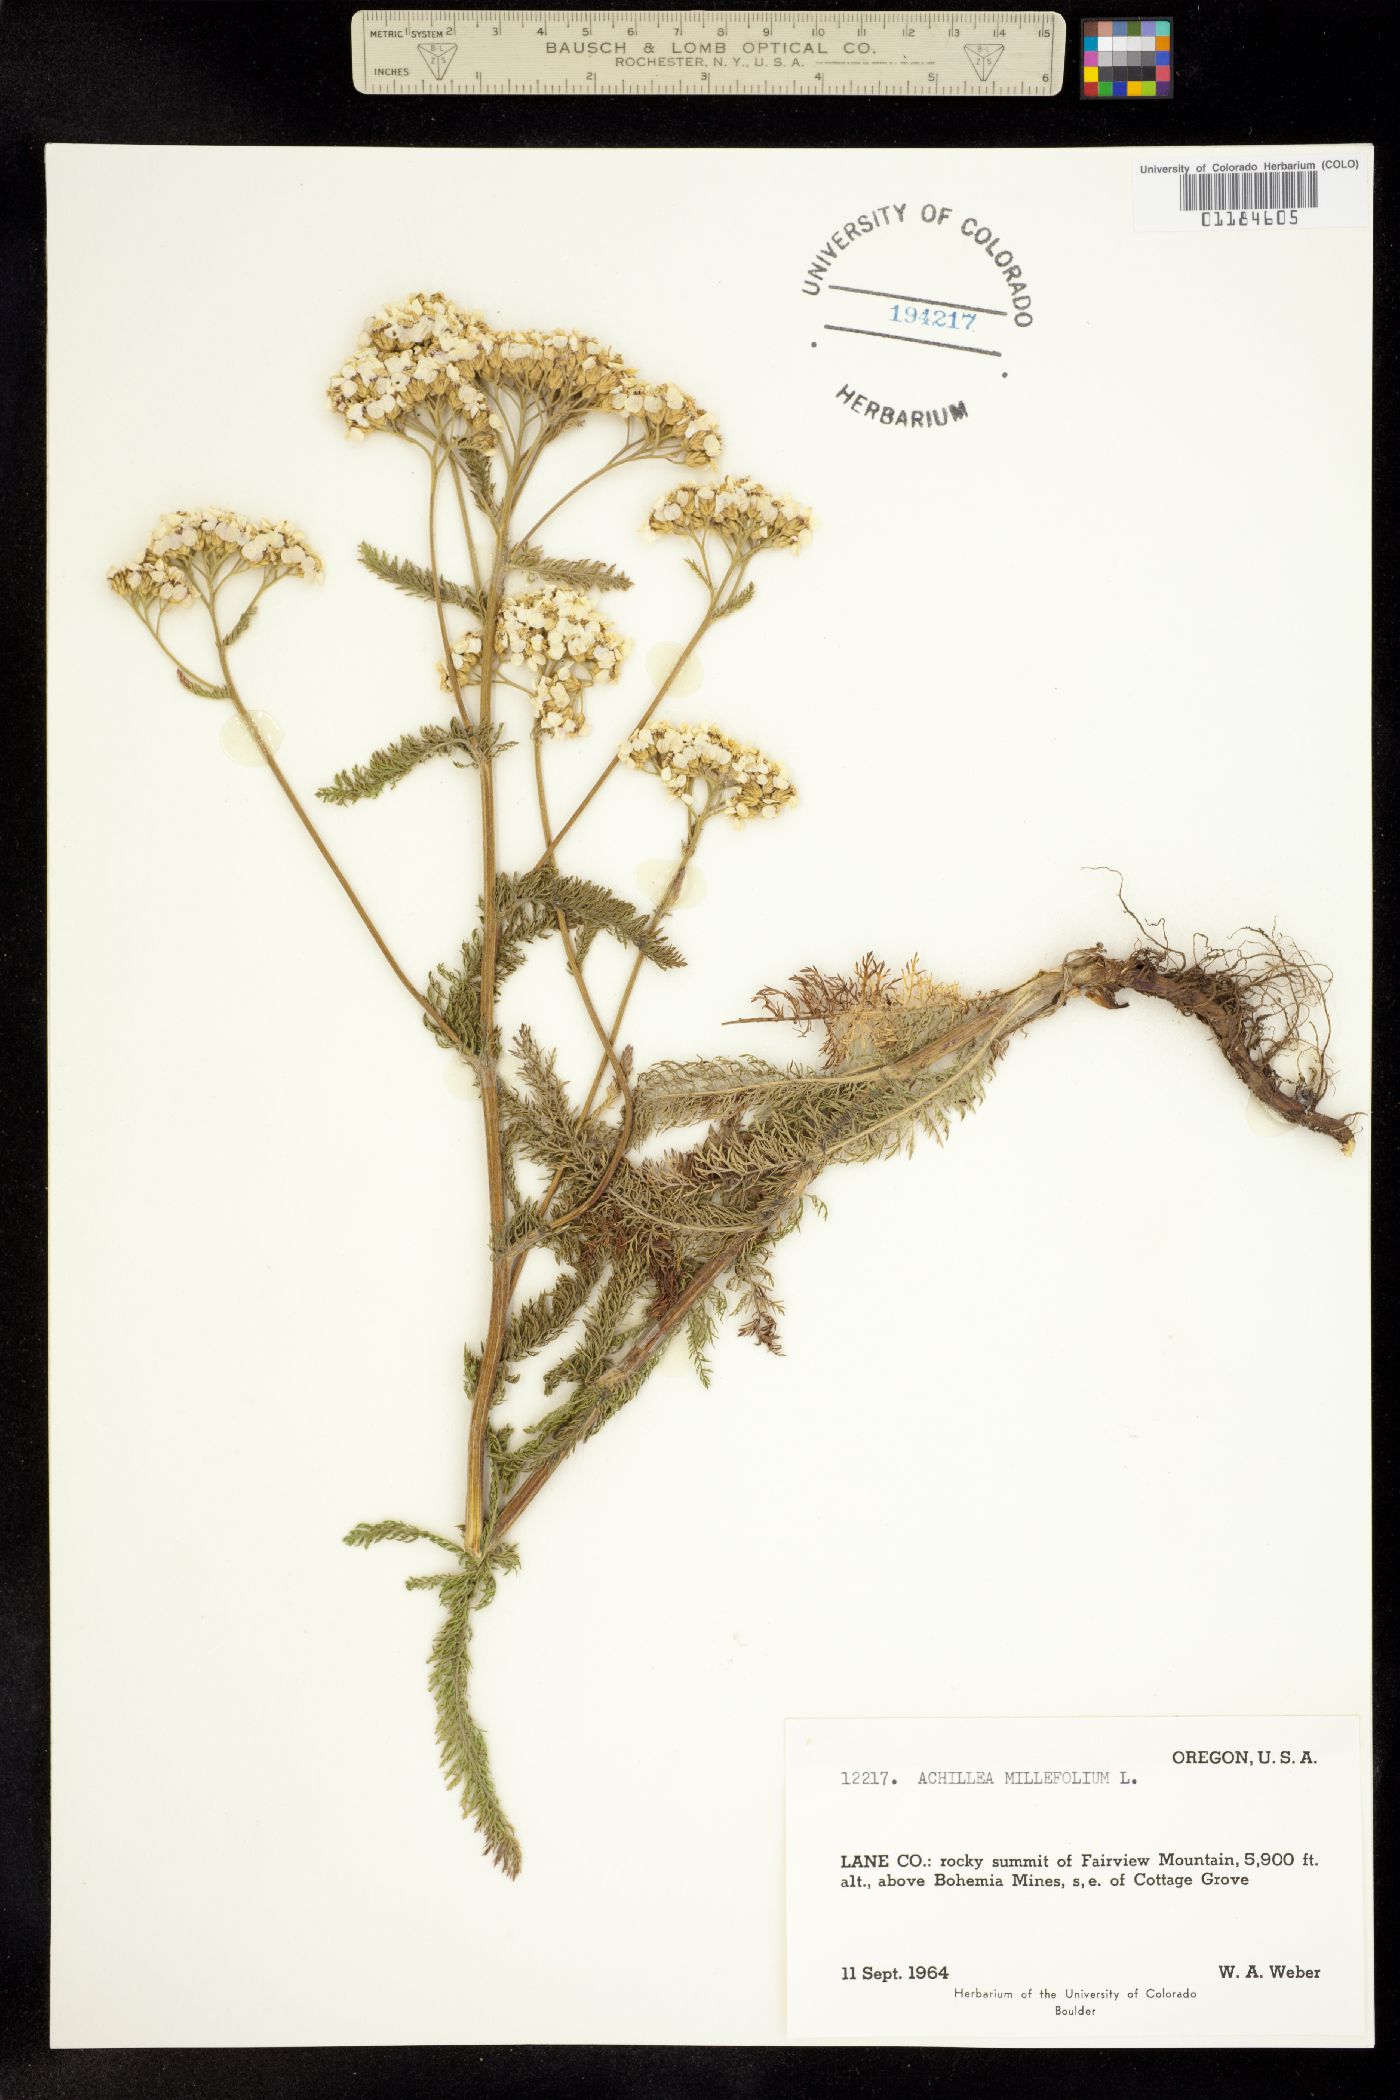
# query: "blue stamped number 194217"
[933,317]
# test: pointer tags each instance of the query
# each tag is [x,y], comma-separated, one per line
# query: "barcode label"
[1254,192]
[1248,189]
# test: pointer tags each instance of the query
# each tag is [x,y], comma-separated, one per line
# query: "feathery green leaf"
[198,687]
[580,573]
[591,909]
[388,767]
[416,581]
[404,1534]
[701,1327]
[477,468]
[461,1745]
[734,604]
[602,1328]
[538,1118]
[241,624]
[543,1318]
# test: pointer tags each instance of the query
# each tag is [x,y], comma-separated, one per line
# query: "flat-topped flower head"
[562,642]
[674,426]
[558,366]
[150,580]
[738,510]
[709,770]
[258,543]
[429,363]
[217,544]
[425,351]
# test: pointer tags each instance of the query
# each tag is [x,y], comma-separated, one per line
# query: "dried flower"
[738,778]
[558,635]
[676,426]
[555,365]
[427,349]
[431,349]
[150,578]
[209,540]
[738,510]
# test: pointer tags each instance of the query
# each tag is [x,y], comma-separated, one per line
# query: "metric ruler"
[704,51]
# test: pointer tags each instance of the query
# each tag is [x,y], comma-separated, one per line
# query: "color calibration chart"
[1125,56]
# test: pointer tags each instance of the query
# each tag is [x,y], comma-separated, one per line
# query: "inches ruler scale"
[704,51]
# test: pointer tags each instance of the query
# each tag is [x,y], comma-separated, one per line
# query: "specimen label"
[705,51]
[1094,1881]
[1252,189]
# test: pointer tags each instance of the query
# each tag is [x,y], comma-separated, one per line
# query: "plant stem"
[1087,972]
[643,1350]
[246,717]
[575,967]
[484,1062]
[623,452]
[488,1080]
[449,667]
[608,1038]
[711,612]
[463,513]
[667,899]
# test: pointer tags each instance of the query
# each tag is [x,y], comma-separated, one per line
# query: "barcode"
[1248,189]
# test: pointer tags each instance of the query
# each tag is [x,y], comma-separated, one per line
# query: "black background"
[242,74]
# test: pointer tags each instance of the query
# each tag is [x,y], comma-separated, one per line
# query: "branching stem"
[488,1081]
[249,721]
[713,610]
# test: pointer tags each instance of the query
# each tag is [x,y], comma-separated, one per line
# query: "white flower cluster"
[555,364]
[429,348]
[150,578]
[561,638]
[261,543]
[738,778]
[209,538]
[739,510]
[425,349]
[675,425]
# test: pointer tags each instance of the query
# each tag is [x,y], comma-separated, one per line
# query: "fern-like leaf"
[402,1534]
[241,625]
[527,909]
[543,1318]
[602,1328]
[539,1121]
[734,604]
[463,1590]
[701,1328]
[385,769]
[591,909]
[477,468]
[416,581]
[580,573]
[673,1094]
[578,1418]
[461,1745]
[198,687]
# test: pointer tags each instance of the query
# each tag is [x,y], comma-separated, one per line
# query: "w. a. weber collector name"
[899,280]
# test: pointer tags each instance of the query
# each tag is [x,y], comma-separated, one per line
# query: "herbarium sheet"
[915,722]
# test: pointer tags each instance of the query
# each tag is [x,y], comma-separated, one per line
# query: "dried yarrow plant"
[650,1204]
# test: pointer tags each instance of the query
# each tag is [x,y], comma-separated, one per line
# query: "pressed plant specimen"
[642,1204]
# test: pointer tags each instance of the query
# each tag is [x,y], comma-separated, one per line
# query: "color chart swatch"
[1126,56]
